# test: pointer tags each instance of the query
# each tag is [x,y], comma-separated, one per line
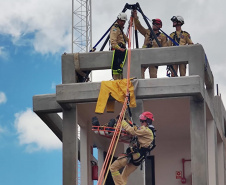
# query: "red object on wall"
[94,171]
[183,179]
[178,174]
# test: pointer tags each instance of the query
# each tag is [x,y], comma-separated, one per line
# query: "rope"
[118,129]
[114,149]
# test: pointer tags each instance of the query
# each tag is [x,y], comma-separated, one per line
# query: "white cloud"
[49,21]
[33,132]
[3,98]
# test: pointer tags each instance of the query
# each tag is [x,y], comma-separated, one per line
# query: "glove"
[135,127]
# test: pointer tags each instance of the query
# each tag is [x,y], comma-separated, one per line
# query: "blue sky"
[33,36]
[24,73]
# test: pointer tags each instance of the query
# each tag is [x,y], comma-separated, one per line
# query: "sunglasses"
[142,121]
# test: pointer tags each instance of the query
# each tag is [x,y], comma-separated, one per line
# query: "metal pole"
[87,25]
[72,35]
[90,25]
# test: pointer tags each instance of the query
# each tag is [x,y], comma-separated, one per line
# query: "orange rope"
[118,125]
[118,136]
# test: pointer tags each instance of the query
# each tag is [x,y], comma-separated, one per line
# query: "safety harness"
[151,38]
[176,38]
[119,57]
[118,61]
[135,148]
[150,45]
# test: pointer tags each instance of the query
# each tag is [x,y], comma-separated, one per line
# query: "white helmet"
[122,16]
[178,18]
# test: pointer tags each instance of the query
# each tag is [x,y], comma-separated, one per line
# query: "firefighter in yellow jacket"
[182,38]
[136,153]
[118,44]
[149,41]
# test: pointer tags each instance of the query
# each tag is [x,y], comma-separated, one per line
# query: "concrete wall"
[168,160]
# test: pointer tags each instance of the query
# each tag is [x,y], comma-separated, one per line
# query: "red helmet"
[146,115]
[157,21]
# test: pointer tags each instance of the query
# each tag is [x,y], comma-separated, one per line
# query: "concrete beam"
[54,122]
[46,104]
[147,88]
[46,107]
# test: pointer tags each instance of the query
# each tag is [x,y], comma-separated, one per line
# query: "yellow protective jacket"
[181,37]
[146,33]
[117,89]
[117,37]
[144,134]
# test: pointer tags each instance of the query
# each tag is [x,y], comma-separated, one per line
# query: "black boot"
[95,121]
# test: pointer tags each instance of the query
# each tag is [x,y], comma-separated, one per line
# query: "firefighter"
[136,153]
[118,44]
[182,38]
[149,41]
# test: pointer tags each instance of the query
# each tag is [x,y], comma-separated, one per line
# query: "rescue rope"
[120,129]
[114,141]
[109,153]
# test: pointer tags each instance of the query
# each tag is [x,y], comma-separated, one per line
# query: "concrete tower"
[190,120]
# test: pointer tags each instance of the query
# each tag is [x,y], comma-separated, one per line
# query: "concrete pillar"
[212,152]
[70,147]
[100,159]
[221,168]
[85,154]
[68,68]
[199,158]
[196,61]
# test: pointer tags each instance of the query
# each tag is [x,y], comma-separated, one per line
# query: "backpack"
[153,145]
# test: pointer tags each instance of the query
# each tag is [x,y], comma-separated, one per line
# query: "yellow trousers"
[117,89]
[121,179]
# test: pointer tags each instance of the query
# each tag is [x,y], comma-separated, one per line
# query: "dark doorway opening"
[109,180]
[150,170]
